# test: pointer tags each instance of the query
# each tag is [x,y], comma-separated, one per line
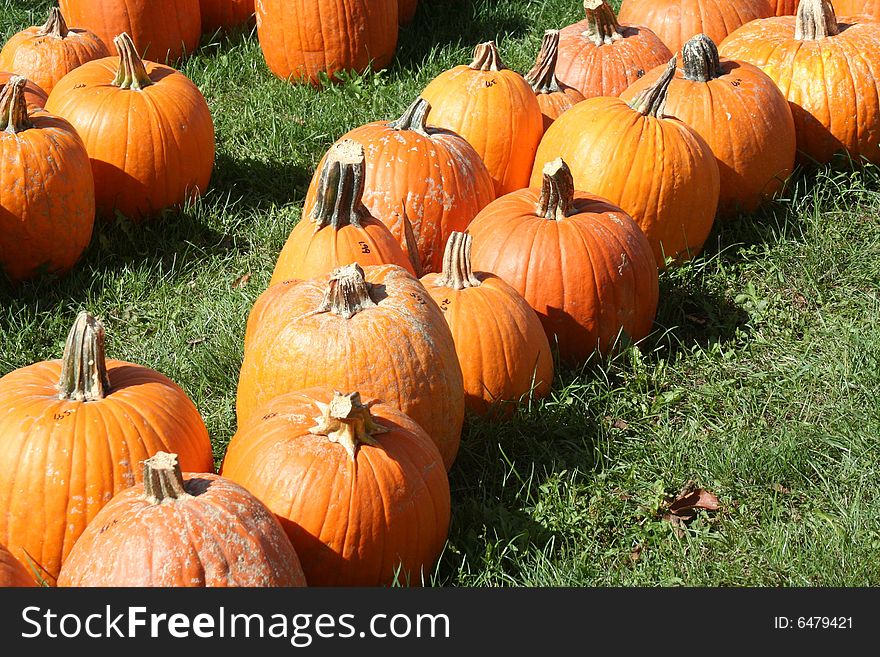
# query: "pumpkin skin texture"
[360,489]
[676,21]
[162,30]
[12,572]
[34,95]
[660,171]
[600,57]
[495,109]
[154,145]
[407,9]
[740,112]
[47,53]
[173,530]
[225,14]
[788,7]
[553,96]
[580,262]
[301,39]
[862,8]
[47,199]
[828,70]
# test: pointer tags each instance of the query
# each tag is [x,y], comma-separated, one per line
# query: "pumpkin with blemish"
[12,571]
[554,97]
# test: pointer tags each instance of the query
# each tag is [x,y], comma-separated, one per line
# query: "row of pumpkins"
[439,257]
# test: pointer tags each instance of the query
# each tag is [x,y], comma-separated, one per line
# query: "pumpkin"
[422,182]
[34,96]
[660,171]
[495,109]
[162,30]
[407,9]
[676,21]
[864,9]
[47,199]
[72,433]
[303,39]
[553,96]
[225,14]
[580,262]
[193,530]
[502,348]
[828,70]
[375,328]
[755,150]
[600,57]
[339,229]
[147,129]
[787,7]
[12,571]
[46,54]
[359,487]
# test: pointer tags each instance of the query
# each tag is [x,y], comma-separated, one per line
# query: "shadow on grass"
[256,184]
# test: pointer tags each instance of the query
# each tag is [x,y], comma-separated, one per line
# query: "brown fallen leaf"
[636,554]
[241,281]
[687,502]
[779,488]
[677,522]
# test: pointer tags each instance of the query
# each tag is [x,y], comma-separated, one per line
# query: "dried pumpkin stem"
[701,60]
[132,72]
[602,25]
[415,118]
[13,106]
[55,26]
[458,273]
[347,293]
[341,187]
[486,58]
[347,421]
[815,20]
[84,365]
[542,77]
[557,191]
[652,101]
[163,479]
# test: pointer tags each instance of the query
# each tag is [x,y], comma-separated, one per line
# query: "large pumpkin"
[660,171]
[554,97]
[360,488]
[12,572]
[788,7]
[600,57]
[756,148]
[828,69]
[147,129]
[47,195]
[495,109]
[34,95]
[374,328]
[72,433]
[225,14]
[174,530]
[860,8]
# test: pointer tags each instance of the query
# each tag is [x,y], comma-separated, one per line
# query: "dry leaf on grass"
[241,281]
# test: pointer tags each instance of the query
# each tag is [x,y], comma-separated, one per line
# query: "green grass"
[761,381]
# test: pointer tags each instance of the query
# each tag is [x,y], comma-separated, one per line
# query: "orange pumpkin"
[34,96]
[553,96]
[73,433]
[147,129]
[225,14]
[495,109]
[787,7]
[376,328]
[171,530]
[660,171]
[407,9]
[359,488]
[12,571]
[864,9]
[600,57]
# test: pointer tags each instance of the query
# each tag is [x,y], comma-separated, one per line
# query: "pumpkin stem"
[411,242]
[55,26]
[347,421]
[458,272]
[132,73]
[84,365]
[347,293]
[542,77]
[557,191]
[341,187]
[13,106]
[486,58]
[652,101]
[415,118]
[701,60]
[163,479]
[602,25]
[815,20]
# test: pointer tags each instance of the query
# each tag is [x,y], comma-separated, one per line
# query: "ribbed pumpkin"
[225,14]
[676,21]
[336,228]
[302,39]
[788,7]
[580,262]
[162,30]
[12,572]
[360,488]
[47,53]
[72,433]
[860,8]
[34,96]
[829,71]
[600,57]
[47,195]
[756,147]
[502,348]
[422,182]
[554,97]
[407,9]
[176,530]
[495,109]
[147,129]
[660,171]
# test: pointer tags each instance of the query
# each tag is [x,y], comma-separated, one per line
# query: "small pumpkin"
[173,530]
[554,97]
[225,14]
[12,572]
[34,96]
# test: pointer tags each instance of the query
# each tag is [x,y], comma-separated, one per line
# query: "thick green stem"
[55,26]
[347,293]
[602,25]
[652,101]
[542,77]
[458,272]
[557,191]
[486,58]
[84,365]
[815,20]
[163,479]
[132,73]
[13,106]
[347,421]
[700,58]
[341,187]
[414,118]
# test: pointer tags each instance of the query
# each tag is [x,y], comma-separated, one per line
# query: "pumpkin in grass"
[659,170]
[501,345]
[34,96]
[225,14]
[72,433]
[828,69]
[420,181]
[580,262]
[407,9]
[554,97]
[755,149]
[495,109]
[787,7]
[12,572]
[147,129]
[600,57]
[173,530]
[337,228]
[863,9]
[47,53]
[359,487]
[374,328]
[47,197]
